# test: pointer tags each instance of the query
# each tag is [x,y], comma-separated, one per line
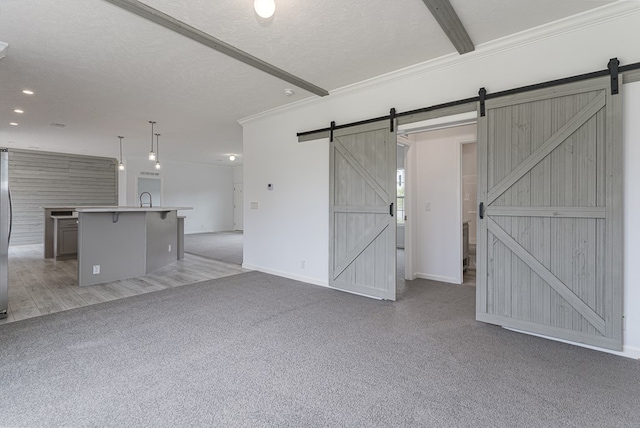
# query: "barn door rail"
[613,69]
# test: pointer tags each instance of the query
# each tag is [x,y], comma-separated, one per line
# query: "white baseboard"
[195,232]
[436,278]
[631,352]
[307,279]
[627,351]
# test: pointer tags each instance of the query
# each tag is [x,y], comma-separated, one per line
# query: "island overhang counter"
[125,242]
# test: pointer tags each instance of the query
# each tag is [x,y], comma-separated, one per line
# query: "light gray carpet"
[224,246]
[256,350]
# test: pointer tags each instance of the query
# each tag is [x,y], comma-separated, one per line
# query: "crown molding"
[281,109]
[590,18]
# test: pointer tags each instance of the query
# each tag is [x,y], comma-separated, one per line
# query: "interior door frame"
[461,197]
[449,117]
[238,212]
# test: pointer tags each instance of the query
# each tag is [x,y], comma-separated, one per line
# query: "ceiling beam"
[448,19]
[154,15]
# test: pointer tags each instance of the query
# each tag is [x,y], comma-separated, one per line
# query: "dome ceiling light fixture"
[264,8]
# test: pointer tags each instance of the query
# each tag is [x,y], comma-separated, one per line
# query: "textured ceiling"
[103,72]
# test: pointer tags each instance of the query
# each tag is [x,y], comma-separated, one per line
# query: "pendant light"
[158,151]
[152,154]
[264,8]
[121,165]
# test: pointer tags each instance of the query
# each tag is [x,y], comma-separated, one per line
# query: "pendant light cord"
[152,123]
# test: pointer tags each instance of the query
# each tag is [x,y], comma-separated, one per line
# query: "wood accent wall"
[38,179]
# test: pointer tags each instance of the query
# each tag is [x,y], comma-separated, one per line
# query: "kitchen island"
[125,242]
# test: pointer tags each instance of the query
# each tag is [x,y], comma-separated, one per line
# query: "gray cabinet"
[66,238]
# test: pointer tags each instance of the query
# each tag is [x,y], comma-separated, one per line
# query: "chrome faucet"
[150,204]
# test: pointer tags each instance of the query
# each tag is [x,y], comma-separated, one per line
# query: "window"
[400,201]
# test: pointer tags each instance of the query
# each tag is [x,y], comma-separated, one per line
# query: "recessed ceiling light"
[19,111]
[28,92]
[288,92]
[13,124]
[232,158]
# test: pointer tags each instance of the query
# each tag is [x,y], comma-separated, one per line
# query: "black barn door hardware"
[613,69]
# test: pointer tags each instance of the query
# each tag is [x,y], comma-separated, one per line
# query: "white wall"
[292,221]
[437,228]
[631,294]
[238,174]
[206,188]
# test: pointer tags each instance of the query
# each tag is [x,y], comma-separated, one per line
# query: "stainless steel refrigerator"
[5,232]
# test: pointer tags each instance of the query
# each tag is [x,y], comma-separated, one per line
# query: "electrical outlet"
[96,269]
[254,205]
[427,206]
[302,263]
[169,247]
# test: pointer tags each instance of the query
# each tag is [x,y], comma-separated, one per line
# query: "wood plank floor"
[38,286]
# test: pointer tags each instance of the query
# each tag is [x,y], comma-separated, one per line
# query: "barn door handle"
[391,209]
[481,210]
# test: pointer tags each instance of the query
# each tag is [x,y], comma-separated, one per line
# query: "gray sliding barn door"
[362,223]
[550,242]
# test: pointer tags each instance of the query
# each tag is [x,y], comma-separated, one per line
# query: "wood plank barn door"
[362,223]
[550,240]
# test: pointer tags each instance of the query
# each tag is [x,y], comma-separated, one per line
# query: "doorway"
[434,197]
[469,204]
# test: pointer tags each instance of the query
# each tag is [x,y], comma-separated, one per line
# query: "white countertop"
[115,209]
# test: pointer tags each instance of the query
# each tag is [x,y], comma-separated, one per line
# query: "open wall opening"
[469,182]
[434,199]
[150,191]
